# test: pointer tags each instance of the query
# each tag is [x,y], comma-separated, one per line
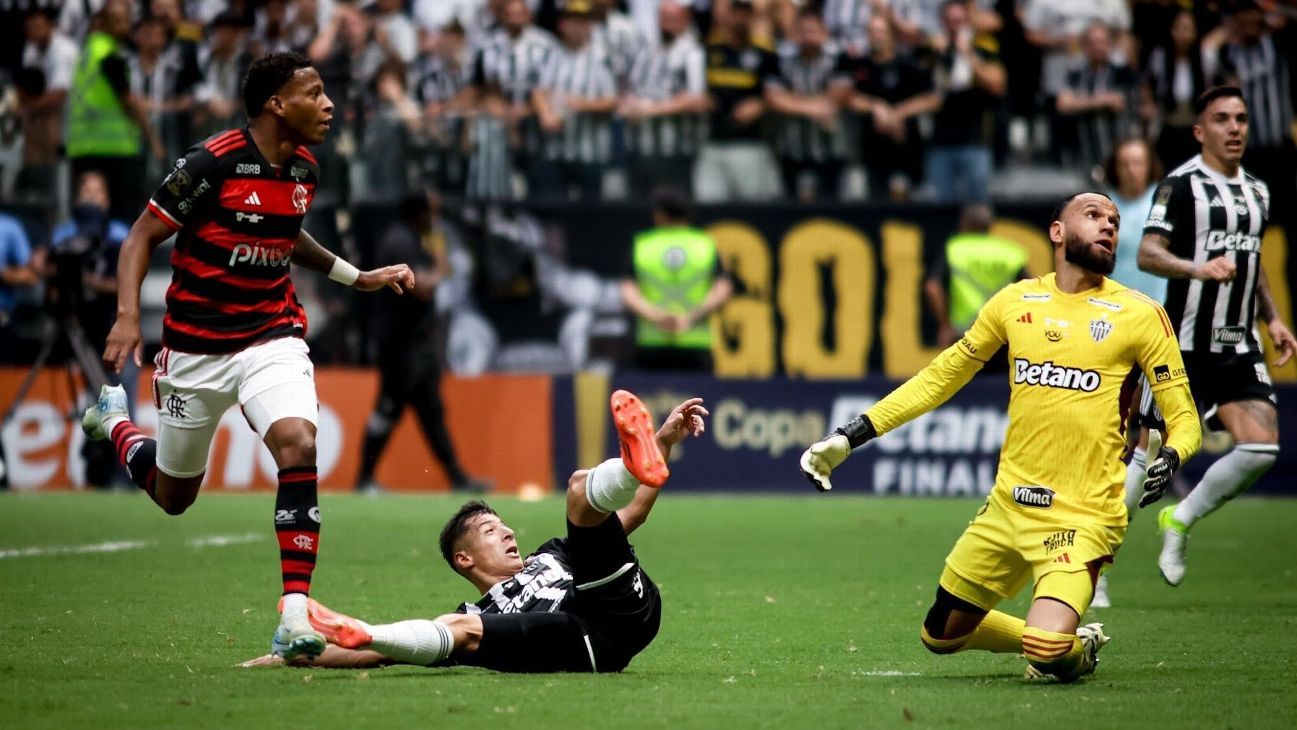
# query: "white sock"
[1136,473]
[418,641]
[294,614]
[610,486]
[111,423]
[1229,477]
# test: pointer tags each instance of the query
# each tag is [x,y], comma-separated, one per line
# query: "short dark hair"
[1205,99]
[671,202]
[457,526]
[1062,206]
[267,75]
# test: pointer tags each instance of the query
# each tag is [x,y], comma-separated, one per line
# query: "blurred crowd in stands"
[953,101]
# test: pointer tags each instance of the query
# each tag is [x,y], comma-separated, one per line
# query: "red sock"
[138,453]
[297,525]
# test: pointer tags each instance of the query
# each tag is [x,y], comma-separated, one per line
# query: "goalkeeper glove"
[825,455]
[1158,475]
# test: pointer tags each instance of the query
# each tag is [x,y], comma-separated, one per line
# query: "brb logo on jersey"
[1049,375]
[1038,497]
[258,255]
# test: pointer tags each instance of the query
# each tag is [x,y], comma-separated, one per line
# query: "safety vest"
[980,265]
[98,125]
[674,269]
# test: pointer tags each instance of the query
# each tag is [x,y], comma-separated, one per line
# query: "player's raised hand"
[1217,269]
[819,461]
[399,278]
[123,341]
[1283,341]
[684,420]
[1159,475]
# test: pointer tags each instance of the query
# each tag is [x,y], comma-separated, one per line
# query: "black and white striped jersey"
[1206,215]
[799,138]
[662,72]
[585,73]
[542,586]
[1262,71]
[513,65]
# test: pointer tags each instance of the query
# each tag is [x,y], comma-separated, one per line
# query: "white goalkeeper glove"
[825,455]
[1158,475]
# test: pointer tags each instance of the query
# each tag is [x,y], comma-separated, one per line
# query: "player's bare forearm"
[929,388]
[685,420]
[333,657]
[308,253]
[146,234]
[1265,306]
[1183,427]
[1155,257]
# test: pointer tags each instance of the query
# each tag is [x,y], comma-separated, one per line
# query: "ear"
[276,105]
[463,561]
[1197,133]
[1056,232]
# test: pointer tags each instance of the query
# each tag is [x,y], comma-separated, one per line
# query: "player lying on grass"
[1056,515]
[577,604]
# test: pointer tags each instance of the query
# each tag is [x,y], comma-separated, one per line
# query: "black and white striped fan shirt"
[587,73]
[798,138]
[1262,71]
[659,73]
[1205,215]
[514,65]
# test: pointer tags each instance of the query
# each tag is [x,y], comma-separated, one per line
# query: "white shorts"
[271,381]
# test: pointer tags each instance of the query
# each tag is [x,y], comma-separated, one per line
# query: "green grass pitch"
[781,612]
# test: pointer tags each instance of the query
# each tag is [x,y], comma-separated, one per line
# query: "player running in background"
[577,604]
[233,330]
[1056,515]
[1204,234]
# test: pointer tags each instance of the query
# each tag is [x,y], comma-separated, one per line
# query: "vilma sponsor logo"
[1055,376]
[1038,497]
[1228,335]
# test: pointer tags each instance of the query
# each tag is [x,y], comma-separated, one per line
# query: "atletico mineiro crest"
[1100,328]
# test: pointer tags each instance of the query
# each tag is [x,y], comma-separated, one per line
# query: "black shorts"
[614,615]
[1215,379]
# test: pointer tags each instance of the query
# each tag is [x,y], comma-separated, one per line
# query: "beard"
[1084,255]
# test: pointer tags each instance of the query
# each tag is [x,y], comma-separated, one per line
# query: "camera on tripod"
[72,258]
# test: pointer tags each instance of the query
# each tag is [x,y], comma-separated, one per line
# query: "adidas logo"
[1063,559]
[1025,318]
[253,199]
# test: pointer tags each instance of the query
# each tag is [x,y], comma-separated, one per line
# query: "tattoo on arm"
[309,253]
[1155,257]
[1265,306]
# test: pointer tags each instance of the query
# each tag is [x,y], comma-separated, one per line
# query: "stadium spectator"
[848,23]
[394,30]
[282,26]
[54,56]
[164,81]
[440,79]
[736,163]
[974,266]
[810,139]
[1173,77]
[1261,62]
[615,34]
[106,121]
[1132,172]
[891,91]
[407,334]
[224,60]
[390,134]
[434,16]
[18,278]
[1099,98]
[665,105]
[348,55]
[574,102]
[971,80]
[672,282]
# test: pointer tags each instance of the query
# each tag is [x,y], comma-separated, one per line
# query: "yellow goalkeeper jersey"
[1074,364]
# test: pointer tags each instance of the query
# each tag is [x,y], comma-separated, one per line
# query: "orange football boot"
[638,437]
[339,629]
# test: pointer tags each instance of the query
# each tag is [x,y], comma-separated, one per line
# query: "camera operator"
[82,283]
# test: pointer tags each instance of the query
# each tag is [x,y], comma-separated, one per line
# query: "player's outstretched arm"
[685,420]
[1266,311]
[333,657]
[124,339]
[1183,439]
[309,253]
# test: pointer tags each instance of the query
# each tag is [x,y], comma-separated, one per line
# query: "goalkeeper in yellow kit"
[1077,341]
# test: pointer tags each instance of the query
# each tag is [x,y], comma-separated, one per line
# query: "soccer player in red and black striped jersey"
[233,331]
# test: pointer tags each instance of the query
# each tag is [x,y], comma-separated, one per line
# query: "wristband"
[343,272]
[858,430]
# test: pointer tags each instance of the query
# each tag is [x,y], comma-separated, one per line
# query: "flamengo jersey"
[540,587]
[1205,216]
[237,219]
[1074,362]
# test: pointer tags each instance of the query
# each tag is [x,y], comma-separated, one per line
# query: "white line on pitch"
[116,546]
[889,673]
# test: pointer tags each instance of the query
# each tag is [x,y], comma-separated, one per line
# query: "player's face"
[1089,230]
[491,545]
[307,110]
[1222,129]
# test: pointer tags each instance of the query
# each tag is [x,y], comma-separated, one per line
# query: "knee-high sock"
[297,525]
[1061,655]
[610,486]
[1136,473]
[138,453]
[1230,476]
[998,632]
[417,641]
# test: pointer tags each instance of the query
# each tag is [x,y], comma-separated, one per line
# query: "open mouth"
[512,551]
[1106,243]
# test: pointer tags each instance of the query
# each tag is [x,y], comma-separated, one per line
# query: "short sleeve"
[16,248]
[987,335]
[189,188]
[1169,202]
[1159,351]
